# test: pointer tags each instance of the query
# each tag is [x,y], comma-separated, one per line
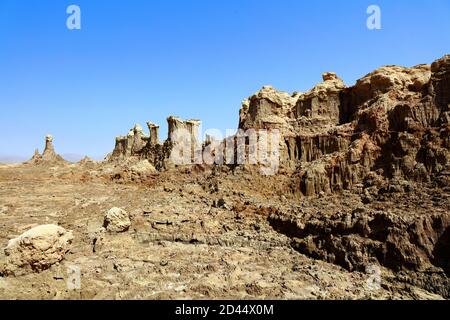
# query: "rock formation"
[154,133]
[36,250]
[138,145]
[37,157]
[48,156]
[393,122]
[49,151]
[354,240]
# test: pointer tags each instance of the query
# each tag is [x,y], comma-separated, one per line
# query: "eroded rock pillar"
[175,124]
[49,151]
[154,133]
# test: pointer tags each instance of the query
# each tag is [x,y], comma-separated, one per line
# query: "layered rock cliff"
[393,123]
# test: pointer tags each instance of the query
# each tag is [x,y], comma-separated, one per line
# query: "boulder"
[36,250]
[117,220]
[143,167]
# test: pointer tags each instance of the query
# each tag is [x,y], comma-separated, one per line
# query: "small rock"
[117,220]
[164,263]
[222,204]
[168,189]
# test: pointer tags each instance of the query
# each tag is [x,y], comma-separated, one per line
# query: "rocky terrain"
[358,208]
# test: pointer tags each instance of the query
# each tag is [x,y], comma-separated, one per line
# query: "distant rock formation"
[48,156]
[37,157]
[49,151]
[86,160]
[137,144]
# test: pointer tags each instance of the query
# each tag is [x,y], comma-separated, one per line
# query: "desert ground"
[195,234]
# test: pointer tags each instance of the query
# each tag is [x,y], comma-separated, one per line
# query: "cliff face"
[377,139]
[393,123]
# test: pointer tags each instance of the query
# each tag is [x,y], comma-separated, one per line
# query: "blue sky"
[140,60]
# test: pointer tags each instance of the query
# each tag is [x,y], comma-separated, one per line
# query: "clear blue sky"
[140,60]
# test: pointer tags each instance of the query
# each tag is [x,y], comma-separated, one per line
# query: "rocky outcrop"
[36,250]
[267,108]
[37,157]
[49,156]
[361,238]
[323,101]
[140,146]
[394,121]
[440,82]
[132,144]
[49,151]
[413,243]
[154,133]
